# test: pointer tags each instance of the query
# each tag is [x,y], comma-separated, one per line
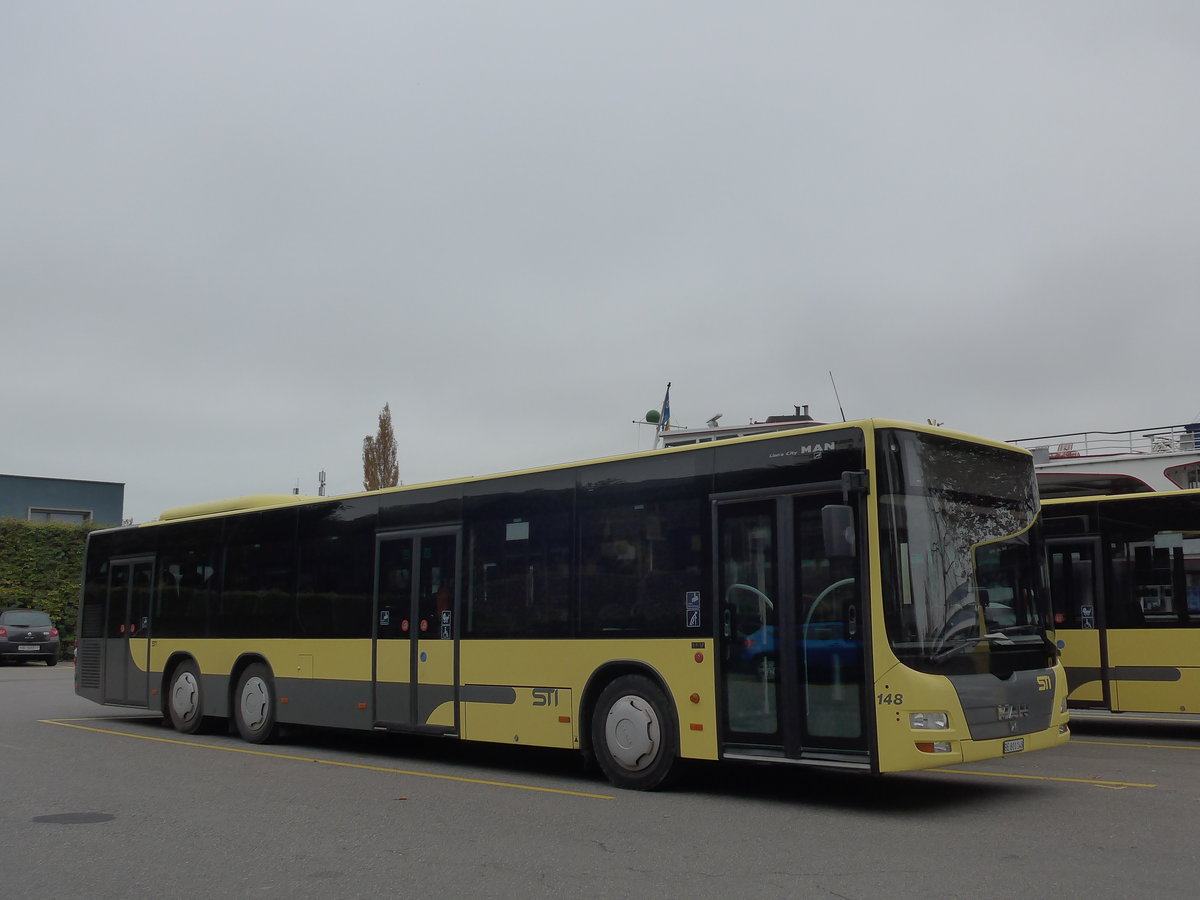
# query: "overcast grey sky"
[231,231]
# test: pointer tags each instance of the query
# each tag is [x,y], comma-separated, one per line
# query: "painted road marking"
[1175,719]
[1141,746]
[66,723]
[1097,782]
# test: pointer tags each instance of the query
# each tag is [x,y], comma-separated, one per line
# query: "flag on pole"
[664,419]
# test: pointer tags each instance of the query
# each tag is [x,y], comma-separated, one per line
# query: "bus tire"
[254,705]
[185,698]
[634,735]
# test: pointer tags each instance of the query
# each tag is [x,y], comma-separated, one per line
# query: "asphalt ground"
[109,803]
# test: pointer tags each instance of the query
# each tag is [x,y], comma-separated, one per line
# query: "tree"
[379,455]
[40,564]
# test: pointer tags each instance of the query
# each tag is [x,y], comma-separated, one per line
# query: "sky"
[230,232]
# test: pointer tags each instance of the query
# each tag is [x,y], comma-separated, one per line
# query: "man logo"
[1045,683]
[1010,712]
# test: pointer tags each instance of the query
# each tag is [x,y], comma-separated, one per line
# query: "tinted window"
[258,585]
[1154,548]
[639,560]
[519,548]
[189,561]
[336,560]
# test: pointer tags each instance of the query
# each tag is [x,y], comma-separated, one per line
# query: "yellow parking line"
[1075,740]
[1181,719]
[325,762]
[1097,782]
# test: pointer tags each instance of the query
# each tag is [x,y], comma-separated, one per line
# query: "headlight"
[929,720]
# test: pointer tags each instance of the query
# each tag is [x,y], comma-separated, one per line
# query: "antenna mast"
[835,395]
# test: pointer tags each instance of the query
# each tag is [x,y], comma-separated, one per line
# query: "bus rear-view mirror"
[837,527]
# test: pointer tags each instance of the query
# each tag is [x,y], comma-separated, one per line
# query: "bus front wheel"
[185,700]
[254,704]
[634,735]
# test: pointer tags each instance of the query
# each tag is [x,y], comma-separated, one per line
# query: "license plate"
[1014,745]
[29,647]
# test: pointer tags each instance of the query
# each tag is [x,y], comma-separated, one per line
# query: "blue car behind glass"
[823,647]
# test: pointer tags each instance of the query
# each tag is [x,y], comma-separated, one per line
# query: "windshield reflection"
[961,552]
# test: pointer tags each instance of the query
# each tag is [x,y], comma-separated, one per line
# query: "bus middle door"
[415,664]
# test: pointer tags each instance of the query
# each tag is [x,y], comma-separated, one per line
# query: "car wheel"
[185,699]
[52,660]
[254,704]
[634,736]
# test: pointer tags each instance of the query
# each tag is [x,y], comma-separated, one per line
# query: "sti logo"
[1045,683]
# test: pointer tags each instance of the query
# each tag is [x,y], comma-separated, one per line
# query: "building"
[61,500]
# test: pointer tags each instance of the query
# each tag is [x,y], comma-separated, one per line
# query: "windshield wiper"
[961,647]
[992,637]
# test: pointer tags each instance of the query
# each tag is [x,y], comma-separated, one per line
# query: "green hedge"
[41,564]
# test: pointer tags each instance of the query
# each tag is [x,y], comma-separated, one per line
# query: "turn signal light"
[934,747]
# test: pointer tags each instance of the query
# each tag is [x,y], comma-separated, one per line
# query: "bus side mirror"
[837,527]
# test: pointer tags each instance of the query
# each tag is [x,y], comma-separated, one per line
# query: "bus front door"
[126,632]
[1076,590]
[416,591]
[791,632]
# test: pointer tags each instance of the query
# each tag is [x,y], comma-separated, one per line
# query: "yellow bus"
[868,595]
[1125,584]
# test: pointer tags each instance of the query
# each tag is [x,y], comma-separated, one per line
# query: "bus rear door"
[126,632]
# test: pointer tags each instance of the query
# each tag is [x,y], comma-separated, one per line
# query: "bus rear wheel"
[254,705]
[634,736]
[185,699]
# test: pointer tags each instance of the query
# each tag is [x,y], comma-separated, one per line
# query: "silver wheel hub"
[632,733]
[185,697]
[255,702]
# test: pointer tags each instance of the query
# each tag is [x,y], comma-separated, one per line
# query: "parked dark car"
[27,634]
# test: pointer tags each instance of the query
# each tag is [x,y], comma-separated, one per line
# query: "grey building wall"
[61,500]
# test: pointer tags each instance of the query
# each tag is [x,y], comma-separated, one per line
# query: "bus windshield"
[964,589]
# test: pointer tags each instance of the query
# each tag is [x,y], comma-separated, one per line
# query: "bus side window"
[520,573]
[1149,587]
[641,560]
[1073,589]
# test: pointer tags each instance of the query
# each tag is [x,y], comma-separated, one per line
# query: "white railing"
[1162,439]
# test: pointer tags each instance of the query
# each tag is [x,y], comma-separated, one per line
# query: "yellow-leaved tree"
[379,455]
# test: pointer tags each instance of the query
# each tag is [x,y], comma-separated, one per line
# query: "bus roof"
[1117,498]
[254,502]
